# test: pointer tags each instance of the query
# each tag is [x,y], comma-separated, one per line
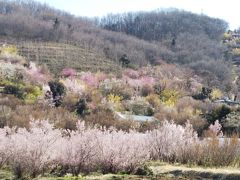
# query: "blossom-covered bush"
[7,70]
[122,152]
[216,129]
[131,73]
[172,141]
[90,79]
[74,85]
[5,146]
[69,72]
[33,151]
[36,74]
[78,151]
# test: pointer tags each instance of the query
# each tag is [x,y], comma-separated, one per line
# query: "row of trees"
[42,149]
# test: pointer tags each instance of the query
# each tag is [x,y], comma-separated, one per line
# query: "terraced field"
[59,55]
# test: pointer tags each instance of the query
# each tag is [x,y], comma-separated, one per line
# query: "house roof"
[134,117]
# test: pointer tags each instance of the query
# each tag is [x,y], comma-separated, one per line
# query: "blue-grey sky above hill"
[227,10]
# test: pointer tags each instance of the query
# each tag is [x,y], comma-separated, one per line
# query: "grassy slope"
[60,55]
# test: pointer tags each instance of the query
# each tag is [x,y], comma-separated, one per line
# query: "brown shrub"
[185,110]
[146,90]
[218,152]
[70,101]
[105,118]
[59,116]
[10,101]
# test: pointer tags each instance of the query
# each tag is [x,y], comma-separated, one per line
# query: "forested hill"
[171,36]
[163,24]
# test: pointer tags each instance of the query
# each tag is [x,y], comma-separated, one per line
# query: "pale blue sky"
[228,10]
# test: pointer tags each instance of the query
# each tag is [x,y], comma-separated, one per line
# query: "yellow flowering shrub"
[32,93]
[227,36]
[10,54]
[169,97]
[236,51]
[115,100]
[9,50]
[216,94]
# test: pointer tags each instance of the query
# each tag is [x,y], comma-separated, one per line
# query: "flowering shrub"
[33,151]
[115,102]
[32,93]
[9,50]
[28,93]
[131,73]
[8,71]
[79,150]
[172,141]
[90,79]
[5,146]
[122,152]
[74,85]
[215,129]
[140,82]
[169,97]
[36,74]
[216,94]
[69,72]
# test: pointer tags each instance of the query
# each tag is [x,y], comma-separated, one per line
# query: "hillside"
[177,37]
[57,56]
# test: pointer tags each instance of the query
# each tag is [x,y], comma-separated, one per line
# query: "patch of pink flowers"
[131,73]
[90,79]
[36,75]
[69,72]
